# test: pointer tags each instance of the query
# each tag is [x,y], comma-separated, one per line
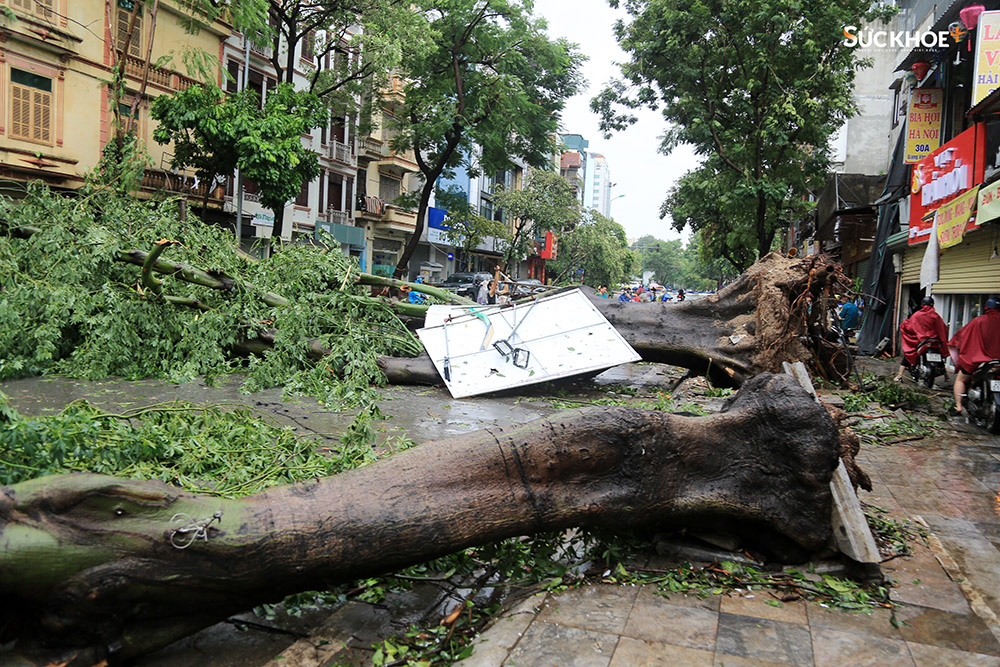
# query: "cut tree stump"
[91,566]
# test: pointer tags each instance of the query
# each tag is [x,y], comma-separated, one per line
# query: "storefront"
[947,189]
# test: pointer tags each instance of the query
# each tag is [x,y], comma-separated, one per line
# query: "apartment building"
[55,115]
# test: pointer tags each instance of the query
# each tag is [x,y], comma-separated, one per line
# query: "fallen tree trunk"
[98,567]
[777,311]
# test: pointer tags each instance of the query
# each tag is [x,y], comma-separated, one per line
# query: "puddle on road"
[421,413]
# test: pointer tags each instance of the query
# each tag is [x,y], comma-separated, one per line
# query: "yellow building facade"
[56,60]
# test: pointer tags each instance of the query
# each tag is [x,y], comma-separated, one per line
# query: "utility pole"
[239,172]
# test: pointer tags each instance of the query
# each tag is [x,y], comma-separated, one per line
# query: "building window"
[39,8]
[125,113]
[233,78]
[303,198]
[309,46]
[124,17]
[388,189]
[31,107]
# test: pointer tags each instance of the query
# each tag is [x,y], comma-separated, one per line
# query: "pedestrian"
[624,296]
[602,292]
[924,323]
[483,295]
[975,343]
[495,291]
[849,315]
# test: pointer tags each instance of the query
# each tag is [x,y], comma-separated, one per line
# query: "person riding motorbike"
[923,324]
[975,343]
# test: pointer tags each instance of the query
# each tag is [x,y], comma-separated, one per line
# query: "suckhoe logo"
[898,39]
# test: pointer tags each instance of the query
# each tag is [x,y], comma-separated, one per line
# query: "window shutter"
[23,5]
[135,46]
[43,8]
[21,111]
[41,122]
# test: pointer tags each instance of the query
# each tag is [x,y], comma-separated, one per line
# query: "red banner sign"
[943,175]
[551,246]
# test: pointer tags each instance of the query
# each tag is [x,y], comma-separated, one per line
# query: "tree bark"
[88,568]
[775,311]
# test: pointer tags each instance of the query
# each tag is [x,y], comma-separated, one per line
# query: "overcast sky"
[638,171]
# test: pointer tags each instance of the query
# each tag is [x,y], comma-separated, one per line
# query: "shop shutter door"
[964,269]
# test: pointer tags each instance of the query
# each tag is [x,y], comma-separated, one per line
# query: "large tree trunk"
[778,310]
[90,565]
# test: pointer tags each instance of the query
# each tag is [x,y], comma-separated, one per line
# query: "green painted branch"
[148,279]
[187,302]
[22,232]
[88,561]
[214,280]
[436,292]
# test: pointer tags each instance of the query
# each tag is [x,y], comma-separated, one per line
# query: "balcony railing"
[341,152]
[338,217]
[262,50]
[372,147]
[252,197]
[162,180]
[157,75]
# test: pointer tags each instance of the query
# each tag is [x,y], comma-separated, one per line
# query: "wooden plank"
[850,528]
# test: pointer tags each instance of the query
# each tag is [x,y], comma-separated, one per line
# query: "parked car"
[465,284]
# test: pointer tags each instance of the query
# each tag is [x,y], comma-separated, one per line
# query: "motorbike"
[982,397]
[929,363]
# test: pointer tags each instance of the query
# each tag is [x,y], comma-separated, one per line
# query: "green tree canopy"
[545,203]
[215,134]
[492,85]
[598,247]
[756,86]
[703,200]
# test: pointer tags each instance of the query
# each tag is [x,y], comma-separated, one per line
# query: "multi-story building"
[573,164]
[598,191]
[439,256]
[55,115]
[327,202]
[383,175]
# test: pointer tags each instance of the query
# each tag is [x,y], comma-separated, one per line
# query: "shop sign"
[953,217]
[923,123]
[986,76]
[989,203]
[943,175]
[551,248]
[263,220]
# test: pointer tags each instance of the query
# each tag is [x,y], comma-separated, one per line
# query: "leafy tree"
[706,266]
[756,86]
[664,258]
[466,229]
[597,246]
[215,134]
[491,84]
[545,203]
[702,202]
[349,64]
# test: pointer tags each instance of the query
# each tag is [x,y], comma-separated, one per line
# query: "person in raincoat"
[975,343]
[924,323]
